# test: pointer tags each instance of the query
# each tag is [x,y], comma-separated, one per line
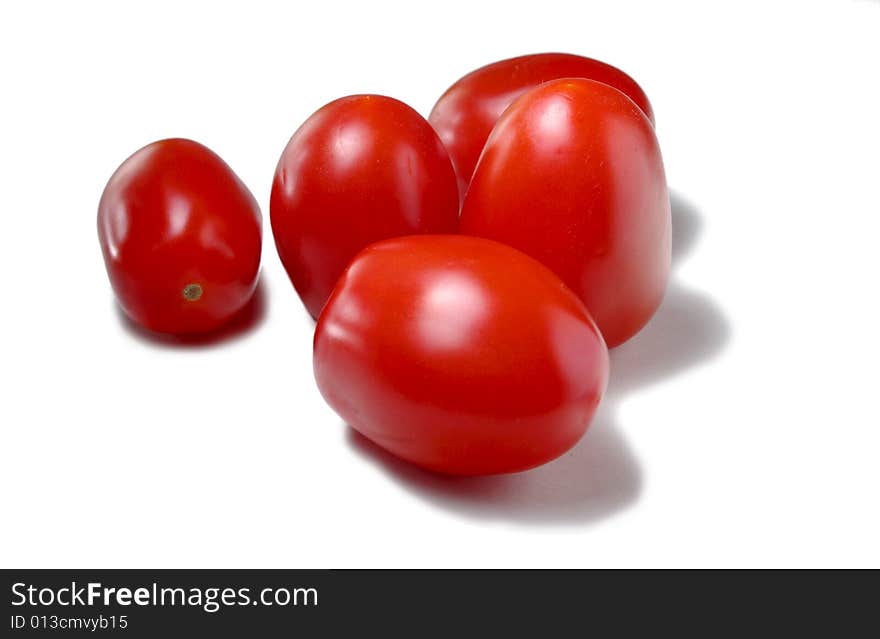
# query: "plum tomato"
[572,175]
[465,114]
[361,169]
[181,236]
[460,355]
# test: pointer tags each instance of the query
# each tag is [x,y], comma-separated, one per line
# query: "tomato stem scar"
[192,292]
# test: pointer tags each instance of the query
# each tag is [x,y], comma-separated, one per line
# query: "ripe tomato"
[460,355]
[181,237]
[465,114]
[361,169]
[572,175]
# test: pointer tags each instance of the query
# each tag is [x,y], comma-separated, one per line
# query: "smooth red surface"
[572,175]
[460,355]
[361,169]
[465,114]
[172,216]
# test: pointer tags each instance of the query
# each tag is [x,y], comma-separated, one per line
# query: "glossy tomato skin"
[361,169]
[465,114]
[572,175]
[460,355]
[181,237]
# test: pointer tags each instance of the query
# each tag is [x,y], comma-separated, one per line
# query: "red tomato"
[361,169]
[572,175]
[460,355]
[181,237]
[465,114]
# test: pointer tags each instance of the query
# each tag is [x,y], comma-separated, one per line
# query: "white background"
[741,428]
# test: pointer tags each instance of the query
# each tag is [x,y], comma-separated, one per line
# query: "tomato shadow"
[591,481]
[688,329]
[601,475]
[686,228]
[245,321]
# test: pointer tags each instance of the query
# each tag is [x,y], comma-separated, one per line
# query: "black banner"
[285,603]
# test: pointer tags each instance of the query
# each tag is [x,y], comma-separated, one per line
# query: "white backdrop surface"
[741,428]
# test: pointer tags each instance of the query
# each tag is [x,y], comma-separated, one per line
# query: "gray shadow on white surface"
[600,476]
[686,228]
[596,478]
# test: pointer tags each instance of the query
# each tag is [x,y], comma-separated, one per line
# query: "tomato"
[572,175]
[460,355]
[465,114]
[361,169]
[181,237]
